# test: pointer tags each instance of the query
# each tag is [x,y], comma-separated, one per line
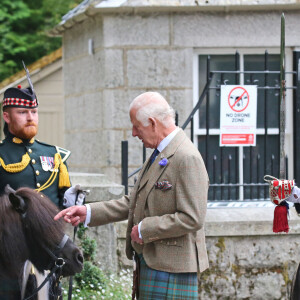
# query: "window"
[236,173]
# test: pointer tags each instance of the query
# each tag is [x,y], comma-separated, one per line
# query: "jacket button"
[37,172]
[33,161]
[38,185]
[29,150]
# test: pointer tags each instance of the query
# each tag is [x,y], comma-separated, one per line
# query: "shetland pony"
[28,232]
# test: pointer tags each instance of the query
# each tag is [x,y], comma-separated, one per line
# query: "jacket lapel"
[155,170]
[138,185]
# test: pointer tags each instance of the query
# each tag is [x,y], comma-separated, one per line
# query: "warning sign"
[238,115]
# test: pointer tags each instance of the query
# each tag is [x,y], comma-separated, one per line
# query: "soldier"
[25,161]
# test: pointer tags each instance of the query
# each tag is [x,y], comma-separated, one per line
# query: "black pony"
[28,232]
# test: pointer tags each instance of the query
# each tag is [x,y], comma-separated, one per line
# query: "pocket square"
[163,185]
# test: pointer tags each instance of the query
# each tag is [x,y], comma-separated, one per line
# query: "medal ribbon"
[51,179]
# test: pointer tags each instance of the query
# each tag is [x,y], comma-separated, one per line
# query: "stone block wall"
[253,267]
[247,260]
[134,52]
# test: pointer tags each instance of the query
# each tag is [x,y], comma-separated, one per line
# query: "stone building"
[114,50]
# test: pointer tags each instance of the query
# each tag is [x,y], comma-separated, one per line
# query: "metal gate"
[237,174]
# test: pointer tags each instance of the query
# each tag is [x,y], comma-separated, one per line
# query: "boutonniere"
[163,162]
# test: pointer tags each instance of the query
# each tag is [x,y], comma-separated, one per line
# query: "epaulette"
[64,153]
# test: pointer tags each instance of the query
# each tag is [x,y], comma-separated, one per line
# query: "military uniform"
[31,164]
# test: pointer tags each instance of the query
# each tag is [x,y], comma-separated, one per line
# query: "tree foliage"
[23,31]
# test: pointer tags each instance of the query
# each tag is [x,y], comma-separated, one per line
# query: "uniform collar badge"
[17,140]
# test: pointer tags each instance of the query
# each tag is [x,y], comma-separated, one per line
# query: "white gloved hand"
[295,195]
[74,196]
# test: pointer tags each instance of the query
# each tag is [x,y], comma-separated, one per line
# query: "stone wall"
[247,260]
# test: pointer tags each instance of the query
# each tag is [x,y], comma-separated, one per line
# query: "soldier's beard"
[27,132]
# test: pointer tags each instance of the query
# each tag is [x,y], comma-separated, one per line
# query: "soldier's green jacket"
[34,175]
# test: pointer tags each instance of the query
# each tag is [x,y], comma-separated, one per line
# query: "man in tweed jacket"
[166,209]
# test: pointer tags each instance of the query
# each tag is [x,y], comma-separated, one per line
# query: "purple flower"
[163,162]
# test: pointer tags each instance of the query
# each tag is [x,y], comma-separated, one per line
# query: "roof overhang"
[38,70]
[92,8]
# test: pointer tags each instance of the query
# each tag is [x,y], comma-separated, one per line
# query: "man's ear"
[153,123]
[6,117]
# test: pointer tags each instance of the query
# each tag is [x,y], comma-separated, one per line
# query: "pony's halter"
[54,254]
[57,267]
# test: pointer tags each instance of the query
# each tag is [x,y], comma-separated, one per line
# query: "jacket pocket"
[178,242]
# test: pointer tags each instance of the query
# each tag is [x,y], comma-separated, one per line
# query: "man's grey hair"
[158,108]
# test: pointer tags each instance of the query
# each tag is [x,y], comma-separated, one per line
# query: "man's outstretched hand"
[73,215]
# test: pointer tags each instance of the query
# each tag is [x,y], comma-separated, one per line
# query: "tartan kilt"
[156,285]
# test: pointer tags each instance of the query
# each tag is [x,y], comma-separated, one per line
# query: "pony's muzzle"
[74,259]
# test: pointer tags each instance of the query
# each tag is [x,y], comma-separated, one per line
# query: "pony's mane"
[39,223]
[12,239]
[40,213]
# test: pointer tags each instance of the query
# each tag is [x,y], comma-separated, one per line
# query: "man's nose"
[133,132]
[30,116]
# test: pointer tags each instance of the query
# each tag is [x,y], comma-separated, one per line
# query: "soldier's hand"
[74,195]
[295,195]
[73,215]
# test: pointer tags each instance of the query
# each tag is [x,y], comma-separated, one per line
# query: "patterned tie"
[153,156]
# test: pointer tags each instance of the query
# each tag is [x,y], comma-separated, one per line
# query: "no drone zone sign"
[238,109]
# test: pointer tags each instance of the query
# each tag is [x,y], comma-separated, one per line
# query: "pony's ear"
[16,201]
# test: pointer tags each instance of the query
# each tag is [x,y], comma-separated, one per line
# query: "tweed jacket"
[173,218]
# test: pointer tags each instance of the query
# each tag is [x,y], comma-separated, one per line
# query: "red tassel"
[280,222]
